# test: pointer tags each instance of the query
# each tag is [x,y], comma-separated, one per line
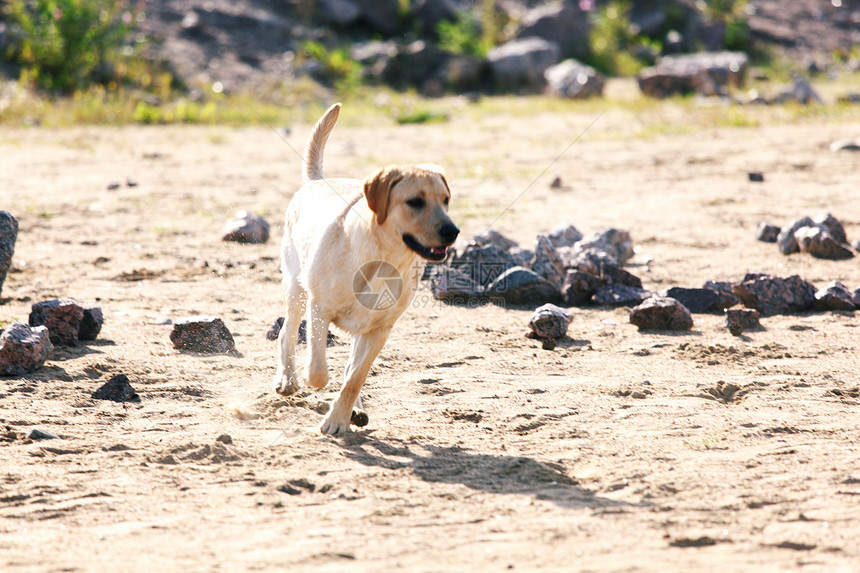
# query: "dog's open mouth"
[429,253]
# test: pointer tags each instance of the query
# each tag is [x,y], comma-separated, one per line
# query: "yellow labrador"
[352,255]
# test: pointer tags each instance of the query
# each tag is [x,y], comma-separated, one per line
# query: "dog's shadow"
[490,473]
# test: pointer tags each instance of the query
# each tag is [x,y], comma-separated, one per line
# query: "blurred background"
[249,61]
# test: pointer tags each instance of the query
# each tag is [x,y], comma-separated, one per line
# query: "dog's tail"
[316,144]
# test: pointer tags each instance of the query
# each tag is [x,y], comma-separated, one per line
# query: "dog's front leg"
[365,348]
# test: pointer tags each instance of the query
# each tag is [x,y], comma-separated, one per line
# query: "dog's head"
[413,202]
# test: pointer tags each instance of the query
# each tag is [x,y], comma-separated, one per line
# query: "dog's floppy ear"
[377,189]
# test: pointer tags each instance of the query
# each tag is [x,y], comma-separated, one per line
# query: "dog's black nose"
[448,233]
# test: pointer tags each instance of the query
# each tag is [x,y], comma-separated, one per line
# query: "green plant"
[64,45]
[462,36]
[337,66]
[613,45]
[421,116]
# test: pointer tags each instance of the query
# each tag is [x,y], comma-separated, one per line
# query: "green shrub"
[468,34]
[612,42]
[338,67]
[64,45]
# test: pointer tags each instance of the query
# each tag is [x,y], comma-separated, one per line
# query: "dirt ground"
[483,450]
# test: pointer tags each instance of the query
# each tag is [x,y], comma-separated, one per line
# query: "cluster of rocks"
[822,237]
[24,348]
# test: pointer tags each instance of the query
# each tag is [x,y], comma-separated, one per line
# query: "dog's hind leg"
[365,348]
[317,329]
[287,379]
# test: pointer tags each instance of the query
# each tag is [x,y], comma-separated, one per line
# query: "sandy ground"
[483,450]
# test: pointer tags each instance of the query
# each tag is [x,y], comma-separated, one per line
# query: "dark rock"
[785,240]
[91,323]
[522,257]
[550,321]
[741,319]
[614,242]
[801,92]
[414,64]
[832,225]
[275,329]
[117,389]
[772,295]
[620,295]
[756,177]
[37,434]
[454,286]
[578,287]
[574,80]
[701,300]
[708,73]
[856,297]
[63,318]
[246,228]
[546,261]
[563,23]
[380,15]
[766,232]
[724,287]
[8,236]
[225,439]
[302,337]
[601,265]
[556,183]
[520,64]
[564,235]
[23,349]
[491,237]
[461,73]
[834,296]
[820,244]
[338,13]
[483,264]
[519,286]
[430,13]
[548,343]
[206,334]
[661,313]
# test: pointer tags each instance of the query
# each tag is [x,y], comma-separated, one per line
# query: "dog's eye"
[447,200]
[416,203]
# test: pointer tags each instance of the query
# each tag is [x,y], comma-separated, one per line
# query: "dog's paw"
[285,386]
[318,379]
[334,425]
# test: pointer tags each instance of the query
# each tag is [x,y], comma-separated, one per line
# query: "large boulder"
[563,23]
[520,64]
[23,349]
[708,73]
[338,13]
[414,64]
[8,235]
[772,295]
[382,16]
[574,80]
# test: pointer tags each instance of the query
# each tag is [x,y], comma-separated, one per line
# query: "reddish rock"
[8,235]
[741,319]
[546,262]
[202,334]
[62,317]
[772,295]
[821,244]
[834,296]
[24,349]
[454,286]
[578,287]
[661,313]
